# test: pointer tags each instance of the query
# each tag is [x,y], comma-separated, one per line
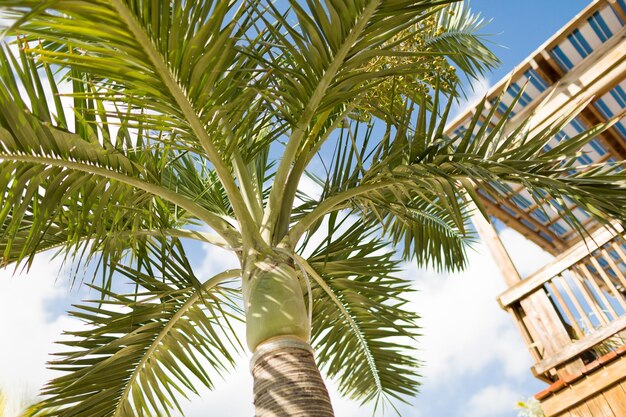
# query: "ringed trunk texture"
[287,382]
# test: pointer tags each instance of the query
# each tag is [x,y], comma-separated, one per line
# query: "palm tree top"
[198,121]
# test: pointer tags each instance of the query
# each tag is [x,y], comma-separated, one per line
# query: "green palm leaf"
[134,68]
[60,188]
[362,331]
[421,165]
[421,216]
[458,34]
[143,348]
[180,111]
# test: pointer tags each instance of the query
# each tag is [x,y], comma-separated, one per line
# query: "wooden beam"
[595,75]
[618,10]
[610,138]
[557,243]
[547,329]
[561,263]
[588,225]
[519,319]
[519,70]
[490,238]
[580,346]
[514,223]
[548,67]
[616,397]
[589,387]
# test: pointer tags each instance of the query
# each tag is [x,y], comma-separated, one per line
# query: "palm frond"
[421,166]
[362,332]
[61,187]
[358,71]
[320,66]
[142,350]
[191,91]
[496,158]
[421,215]
[458,34]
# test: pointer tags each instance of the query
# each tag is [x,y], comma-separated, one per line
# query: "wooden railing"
[574,310]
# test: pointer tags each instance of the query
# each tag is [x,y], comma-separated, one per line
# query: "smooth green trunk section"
[274,303]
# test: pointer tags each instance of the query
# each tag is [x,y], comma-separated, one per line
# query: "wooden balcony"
[572,314]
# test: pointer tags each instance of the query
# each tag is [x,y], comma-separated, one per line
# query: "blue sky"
[522,26]
[476,363]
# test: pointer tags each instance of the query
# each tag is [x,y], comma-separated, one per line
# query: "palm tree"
[198,121]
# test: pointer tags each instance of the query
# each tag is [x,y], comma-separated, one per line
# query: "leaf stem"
[293,145]
[250,233]
[218,224]
[208,285]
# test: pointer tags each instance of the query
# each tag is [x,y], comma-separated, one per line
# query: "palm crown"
[197,121]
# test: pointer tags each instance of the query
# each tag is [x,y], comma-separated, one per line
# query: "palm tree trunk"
[287,382]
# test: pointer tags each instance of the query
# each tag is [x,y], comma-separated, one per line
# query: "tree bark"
[287,382]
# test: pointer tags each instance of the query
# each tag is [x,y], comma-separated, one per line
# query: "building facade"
[571,312]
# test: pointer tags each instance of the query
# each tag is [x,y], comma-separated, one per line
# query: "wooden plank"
[608,281]
[600,293]
[610,138]
[618,10]
[615,269]
[547,330]
[580,411]
[579,346]
[599,407]
[538,226]
[581,311]
[546,67]
[596,382]
[495,210]
[490,238]
[619,251]
[528,62]
[616,397]
[564,307]
[562,262]
[592,78]
[590,224]
[532,346]
[579,282]
[545,324]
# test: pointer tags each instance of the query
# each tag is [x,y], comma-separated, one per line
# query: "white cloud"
[465,333]
[233,397]
[475,92]
[27,330]
[215,260]
[464,329]
[522,250]
[494,400]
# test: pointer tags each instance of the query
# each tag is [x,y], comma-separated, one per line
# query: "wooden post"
[490,238]
[545,327]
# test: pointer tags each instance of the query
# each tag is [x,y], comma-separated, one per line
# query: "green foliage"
[419,49]
[208,114]
[3,403]
[529,408]
[361,306]
[144,348]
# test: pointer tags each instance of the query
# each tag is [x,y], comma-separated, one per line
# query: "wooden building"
[571,312]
